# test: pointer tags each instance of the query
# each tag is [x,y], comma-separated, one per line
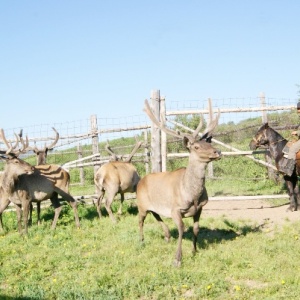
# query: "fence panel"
[81,146]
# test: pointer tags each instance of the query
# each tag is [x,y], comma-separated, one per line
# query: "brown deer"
[45,182]
[41,153]
[181,193]
[41,159]
[16,168]
[116,177]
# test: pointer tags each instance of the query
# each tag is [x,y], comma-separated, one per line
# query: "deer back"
[59,176]
[14,168]
[118,174]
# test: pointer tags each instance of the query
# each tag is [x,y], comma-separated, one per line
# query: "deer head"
[42,152]
[188,139]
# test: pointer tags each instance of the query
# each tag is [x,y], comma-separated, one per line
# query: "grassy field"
[235,260]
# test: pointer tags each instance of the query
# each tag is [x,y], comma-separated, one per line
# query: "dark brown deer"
[45,182]
[180,193]
[116,177]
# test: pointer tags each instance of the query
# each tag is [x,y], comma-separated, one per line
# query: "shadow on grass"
[47,213]
[3,297]
[90,212]
[208,236]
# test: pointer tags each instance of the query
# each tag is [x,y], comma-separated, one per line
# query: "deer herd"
[177,194]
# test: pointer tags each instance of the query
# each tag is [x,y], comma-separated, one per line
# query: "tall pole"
[155,134]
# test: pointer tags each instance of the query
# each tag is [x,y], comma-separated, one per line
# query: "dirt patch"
[258,211]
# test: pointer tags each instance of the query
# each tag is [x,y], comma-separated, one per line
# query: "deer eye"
[196,147]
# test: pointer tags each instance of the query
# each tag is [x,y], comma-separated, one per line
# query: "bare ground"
[258,212]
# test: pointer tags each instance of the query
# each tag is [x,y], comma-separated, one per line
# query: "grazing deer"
[180,193]
[45,182]
[116,177]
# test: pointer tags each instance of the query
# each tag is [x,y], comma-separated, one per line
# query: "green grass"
[235,260]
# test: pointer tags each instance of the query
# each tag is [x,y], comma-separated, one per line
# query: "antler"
[51,146]
[211,126]
[161,124]
[212,122]
[10,147]
[129,158]
[134,150]
[109,150]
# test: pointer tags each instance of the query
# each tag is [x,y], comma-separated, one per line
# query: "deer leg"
[121,204]
[177,218]
[297,195]
[75,210]
[57,209]
[99,201]
[26,207]
[163,225]
[19,217]
[109,199]
[30,214]
[71,201]
[38,209]
[196,218]
[4,202]
[142,217]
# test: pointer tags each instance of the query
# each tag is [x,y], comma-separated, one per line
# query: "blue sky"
[66,60]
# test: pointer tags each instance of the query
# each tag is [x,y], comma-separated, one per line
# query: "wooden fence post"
[264,117]
[95,138]
[155,134]
[81,170]
[146,151]
[163,135]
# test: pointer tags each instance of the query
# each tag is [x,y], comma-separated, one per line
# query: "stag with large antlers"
[41,159]
[116,177]
[45,182]
[180,193]
[41,153]
[15,167]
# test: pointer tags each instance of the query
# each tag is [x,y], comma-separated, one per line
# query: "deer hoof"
[177,263]
[291,209]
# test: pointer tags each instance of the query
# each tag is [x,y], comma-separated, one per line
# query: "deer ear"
[186,142]
[204,137]
[208,139]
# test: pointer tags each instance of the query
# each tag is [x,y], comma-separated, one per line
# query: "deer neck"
[9,182]
[194,179]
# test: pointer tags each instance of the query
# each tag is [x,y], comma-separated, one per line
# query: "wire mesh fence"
[240,118]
